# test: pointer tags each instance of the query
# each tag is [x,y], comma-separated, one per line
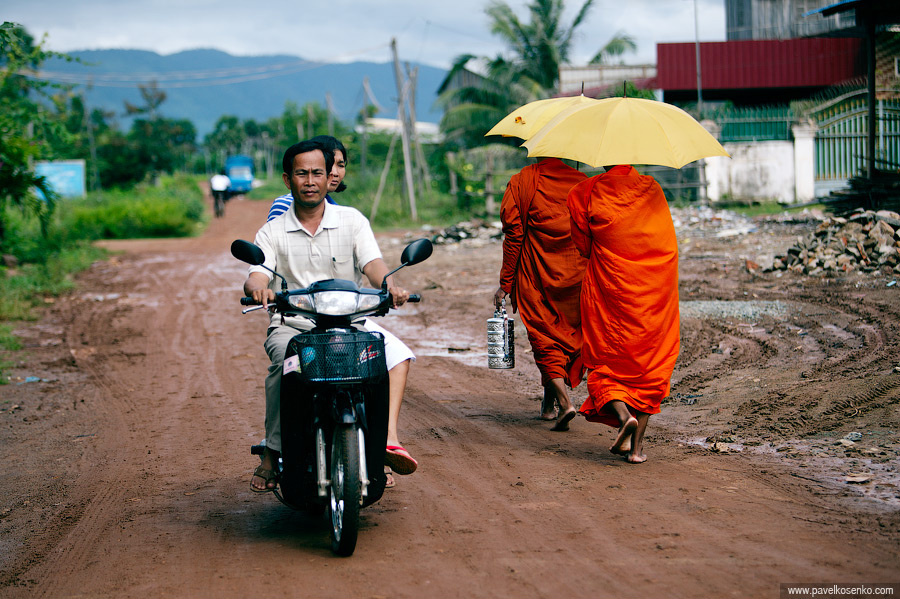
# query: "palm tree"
[473,103]
[540,46]
[529,70]
[620,43]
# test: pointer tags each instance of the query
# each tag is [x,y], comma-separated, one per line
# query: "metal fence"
[756,123]
[841,136]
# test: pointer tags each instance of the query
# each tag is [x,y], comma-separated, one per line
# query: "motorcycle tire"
[345,489]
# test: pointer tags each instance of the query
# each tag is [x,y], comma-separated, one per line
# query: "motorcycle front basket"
[344,356]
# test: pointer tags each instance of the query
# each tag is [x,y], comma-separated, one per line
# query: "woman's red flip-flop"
[399,460]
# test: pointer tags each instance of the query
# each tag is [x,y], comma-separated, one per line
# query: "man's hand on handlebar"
[398,294]
[263,297]
[257,287]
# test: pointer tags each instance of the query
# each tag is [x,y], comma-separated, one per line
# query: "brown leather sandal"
[270,476]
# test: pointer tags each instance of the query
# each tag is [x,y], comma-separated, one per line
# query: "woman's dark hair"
[308,145]
[332,144]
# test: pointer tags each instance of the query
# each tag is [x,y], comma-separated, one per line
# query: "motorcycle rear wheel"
[345,489]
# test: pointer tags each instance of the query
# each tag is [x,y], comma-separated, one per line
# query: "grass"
[46,266]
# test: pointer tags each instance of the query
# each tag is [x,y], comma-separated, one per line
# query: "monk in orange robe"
[542,274]
[629,300]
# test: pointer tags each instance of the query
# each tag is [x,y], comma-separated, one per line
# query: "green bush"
[174,208]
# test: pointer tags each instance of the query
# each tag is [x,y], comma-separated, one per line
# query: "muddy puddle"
[857,465]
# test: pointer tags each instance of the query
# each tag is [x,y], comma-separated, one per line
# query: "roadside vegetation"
[145,180]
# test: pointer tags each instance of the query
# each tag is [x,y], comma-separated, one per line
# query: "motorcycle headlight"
[302,302]
[368,302]
[335,303]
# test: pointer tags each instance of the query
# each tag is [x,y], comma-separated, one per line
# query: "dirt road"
[125,437]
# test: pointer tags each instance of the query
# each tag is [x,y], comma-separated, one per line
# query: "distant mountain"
[202,85]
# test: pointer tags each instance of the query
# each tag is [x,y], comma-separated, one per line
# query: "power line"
[187,79]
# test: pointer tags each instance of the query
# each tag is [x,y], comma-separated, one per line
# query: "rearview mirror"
[418,251]
[247,252]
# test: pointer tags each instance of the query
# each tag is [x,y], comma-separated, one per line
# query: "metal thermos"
[501,339]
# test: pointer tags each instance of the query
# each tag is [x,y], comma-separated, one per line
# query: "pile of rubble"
[474,233]
[704,221]
[699,221]
[864,240]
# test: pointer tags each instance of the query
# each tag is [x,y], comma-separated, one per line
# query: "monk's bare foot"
[636,458]
[563,423]
[622,444]
[548,409]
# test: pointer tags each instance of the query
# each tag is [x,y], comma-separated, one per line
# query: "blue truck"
[240,170]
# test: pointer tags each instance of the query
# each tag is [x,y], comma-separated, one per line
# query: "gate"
[841,138]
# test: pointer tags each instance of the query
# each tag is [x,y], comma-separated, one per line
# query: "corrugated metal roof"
[805,62]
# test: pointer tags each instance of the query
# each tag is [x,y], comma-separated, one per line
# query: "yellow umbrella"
[625,131]
[526,120]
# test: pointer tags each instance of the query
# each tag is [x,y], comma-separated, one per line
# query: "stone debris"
[703,221]
[699,221]
[865,240]
[474,233]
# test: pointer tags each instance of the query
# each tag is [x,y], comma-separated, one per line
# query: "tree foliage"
[527,71]
[618,45]
[23,122]
[540,46]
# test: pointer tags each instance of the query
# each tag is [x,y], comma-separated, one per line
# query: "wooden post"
[420,155]
[489,185]
[402,90]
[454,185]
[384,173]
[329,106]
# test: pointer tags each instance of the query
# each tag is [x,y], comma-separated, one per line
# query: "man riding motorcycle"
[313,241]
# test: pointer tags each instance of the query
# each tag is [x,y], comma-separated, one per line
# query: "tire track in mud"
[497,497]
[126,359]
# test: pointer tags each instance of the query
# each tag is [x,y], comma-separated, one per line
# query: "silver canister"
[501,339]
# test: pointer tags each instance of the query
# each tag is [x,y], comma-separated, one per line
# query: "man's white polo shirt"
[339,249]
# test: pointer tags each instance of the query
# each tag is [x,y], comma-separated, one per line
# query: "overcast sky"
[427,31]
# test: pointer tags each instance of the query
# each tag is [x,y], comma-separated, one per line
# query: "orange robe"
[629,301]
[542,270]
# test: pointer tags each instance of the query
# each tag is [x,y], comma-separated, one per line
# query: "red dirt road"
[126,468]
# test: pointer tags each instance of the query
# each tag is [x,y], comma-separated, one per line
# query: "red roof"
[805,62]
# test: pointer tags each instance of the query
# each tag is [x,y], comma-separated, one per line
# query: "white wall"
[756,171]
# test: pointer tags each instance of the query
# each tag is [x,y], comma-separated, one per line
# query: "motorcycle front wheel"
[345,489]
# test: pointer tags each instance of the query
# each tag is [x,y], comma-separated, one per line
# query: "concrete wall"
[756,171]
[783,171]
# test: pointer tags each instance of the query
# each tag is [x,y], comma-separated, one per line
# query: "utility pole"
[697,58]
[420,155]
[369,99]
[402,89]
[329,104]
[94,173]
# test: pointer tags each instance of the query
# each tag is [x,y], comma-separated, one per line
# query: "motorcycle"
[334,396]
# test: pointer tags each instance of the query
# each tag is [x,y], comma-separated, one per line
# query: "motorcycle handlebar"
[249,301]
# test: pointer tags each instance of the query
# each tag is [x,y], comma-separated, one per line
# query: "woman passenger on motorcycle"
[336,184]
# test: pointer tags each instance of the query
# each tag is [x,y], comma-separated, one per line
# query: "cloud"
[430,32]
